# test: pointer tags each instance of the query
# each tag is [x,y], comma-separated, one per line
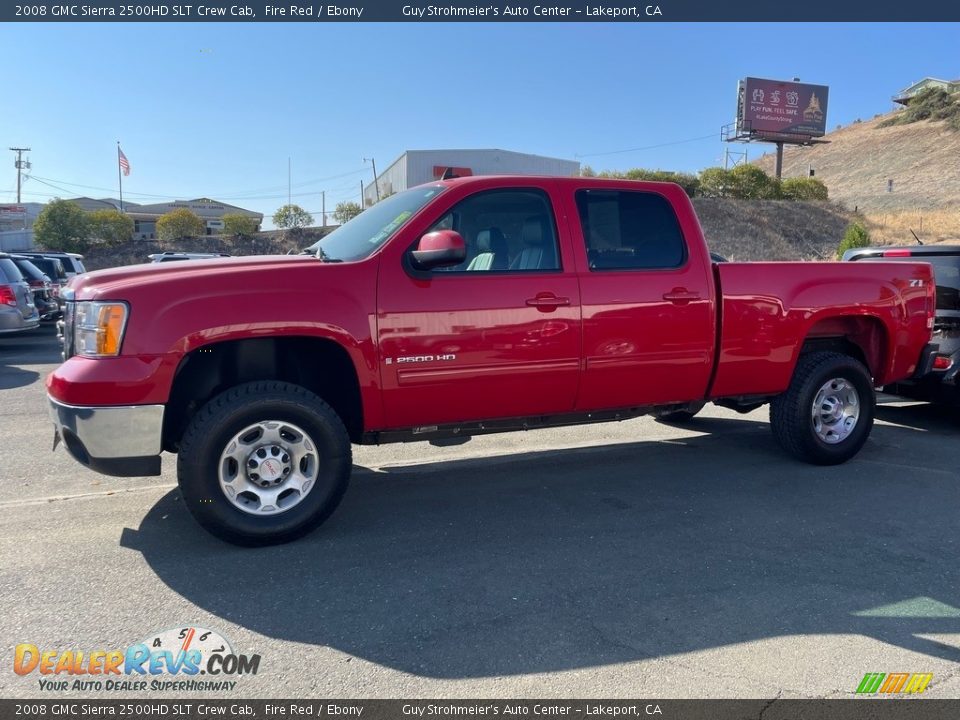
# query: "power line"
[647,147]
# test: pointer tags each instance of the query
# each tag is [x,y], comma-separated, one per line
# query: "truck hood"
[116,283]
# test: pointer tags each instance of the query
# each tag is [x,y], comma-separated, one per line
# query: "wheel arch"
[318,364]
[863,337]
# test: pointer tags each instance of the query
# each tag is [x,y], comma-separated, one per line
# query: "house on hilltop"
[907,94]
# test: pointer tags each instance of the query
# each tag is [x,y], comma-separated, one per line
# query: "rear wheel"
[263,463]
[826,414]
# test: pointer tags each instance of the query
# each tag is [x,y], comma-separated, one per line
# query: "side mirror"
[439,249]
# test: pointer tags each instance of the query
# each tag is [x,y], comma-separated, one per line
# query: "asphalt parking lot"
[619,560]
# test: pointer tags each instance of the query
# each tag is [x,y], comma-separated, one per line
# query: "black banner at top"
[622,11]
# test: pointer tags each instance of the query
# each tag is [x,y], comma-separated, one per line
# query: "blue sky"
[215,110]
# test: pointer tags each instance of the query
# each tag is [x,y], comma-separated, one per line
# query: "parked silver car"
[17,311]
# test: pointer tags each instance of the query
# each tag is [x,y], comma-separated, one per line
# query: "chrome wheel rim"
[836,410]
[268,468]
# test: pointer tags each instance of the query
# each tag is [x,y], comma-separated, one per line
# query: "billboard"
[781,110]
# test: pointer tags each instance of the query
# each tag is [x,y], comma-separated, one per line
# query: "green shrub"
[752,183]
[62,225]
[689,182]
[180,223]
[239,225]
[803,188]
[855,236]
[715,182]
[928,104]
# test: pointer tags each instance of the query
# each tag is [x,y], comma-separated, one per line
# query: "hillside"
[737,229]
[772,229]
[922,160]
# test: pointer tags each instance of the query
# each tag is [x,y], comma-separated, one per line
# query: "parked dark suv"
[41,287]
[941,384]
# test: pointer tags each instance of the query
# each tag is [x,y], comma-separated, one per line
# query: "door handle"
[681,296]
[547,302]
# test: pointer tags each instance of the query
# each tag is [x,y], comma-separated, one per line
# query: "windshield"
[370,229]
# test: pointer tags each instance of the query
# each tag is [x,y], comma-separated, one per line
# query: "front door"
[497,336]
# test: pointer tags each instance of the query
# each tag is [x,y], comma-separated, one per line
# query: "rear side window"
[627,230]
[946,271]
[9,271]
[29,270]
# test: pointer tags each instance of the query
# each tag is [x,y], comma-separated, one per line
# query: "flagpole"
[120,176]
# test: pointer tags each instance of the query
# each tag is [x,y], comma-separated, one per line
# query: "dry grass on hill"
[931,226]
[265,243]
[922,159]
[743,230]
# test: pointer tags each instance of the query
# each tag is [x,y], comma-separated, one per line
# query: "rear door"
[495,337]
[647,296]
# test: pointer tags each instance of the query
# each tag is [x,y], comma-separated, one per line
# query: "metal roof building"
[416,167]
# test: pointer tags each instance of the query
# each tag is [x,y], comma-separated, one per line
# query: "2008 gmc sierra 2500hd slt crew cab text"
[460,307]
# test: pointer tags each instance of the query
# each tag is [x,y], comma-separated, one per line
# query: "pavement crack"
[83,496]
[769,704]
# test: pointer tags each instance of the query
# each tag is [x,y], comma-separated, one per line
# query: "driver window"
[504,231]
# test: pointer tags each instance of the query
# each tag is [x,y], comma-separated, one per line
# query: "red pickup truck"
[460,307]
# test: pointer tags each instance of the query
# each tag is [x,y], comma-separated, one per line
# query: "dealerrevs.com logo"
[183,653]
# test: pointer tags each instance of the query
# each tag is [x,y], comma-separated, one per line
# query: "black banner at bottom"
[771,709]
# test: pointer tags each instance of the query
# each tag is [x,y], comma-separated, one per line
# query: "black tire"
[229,413]
[792,417]
[678,417]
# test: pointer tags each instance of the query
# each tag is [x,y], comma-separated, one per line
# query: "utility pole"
[323,210]
[362,203]
[289,194]
[20,164]
[376,185]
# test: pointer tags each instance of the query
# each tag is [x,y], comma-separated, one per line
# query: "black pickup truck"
[941,383]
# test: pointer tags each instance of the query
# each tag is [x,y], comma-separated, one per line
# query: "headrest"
[491,240]
[533,233]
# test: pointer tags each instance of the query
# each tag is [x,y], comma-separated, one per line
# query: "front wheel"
[263,463]
[825,416]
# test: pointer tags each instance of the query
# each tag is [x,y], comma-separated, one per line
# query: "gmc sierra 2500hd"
[460,307]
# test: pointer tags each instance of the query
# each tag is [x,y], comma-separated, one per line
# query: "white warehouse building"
[416,167]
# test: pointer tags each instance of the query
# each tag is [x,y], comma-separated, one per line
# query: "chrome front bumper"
[123,441]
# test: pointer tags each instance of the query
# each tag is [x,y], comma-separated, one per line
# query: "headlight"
[98,328]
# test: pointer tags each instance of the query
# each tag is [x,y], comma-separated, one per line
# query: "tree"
[110,227]
[237,224]
[752,183]
[346,211]
[180,223]
[803,188]
[62,225]
[855,236]
[715,182]
[292,217]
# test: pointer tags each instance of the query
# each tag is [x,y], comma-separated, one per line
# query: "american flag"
[124,163]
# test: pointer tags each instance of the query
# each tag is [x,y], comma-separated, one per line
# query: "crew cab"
[460,307]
